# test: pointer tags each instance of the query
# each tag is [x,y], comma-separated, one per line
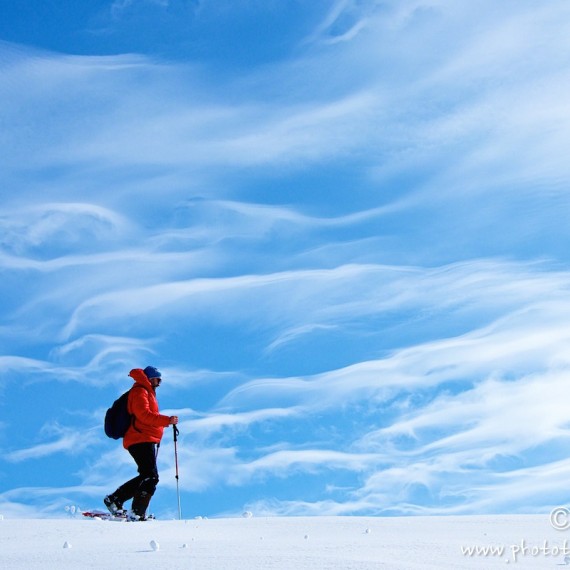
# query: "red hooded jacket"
[148,424]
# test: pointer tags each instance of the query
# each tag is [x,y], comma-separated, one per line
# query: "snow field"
[315,543]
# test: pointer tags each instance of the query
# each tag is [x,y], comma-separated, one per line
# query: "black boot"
[140,504]
[114,505]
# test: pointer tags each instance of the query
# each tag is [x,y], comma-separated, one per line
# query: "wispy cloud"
[67,440]
[530,343]
[499,395]
[67,225]
[285,463]
[214,422]
[330,295]
[91,359]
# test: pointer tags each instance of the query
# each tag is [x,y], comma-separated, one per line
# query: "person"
[141,441]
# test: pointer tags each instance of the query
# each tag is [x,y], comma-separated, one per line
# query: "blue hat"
[152,372]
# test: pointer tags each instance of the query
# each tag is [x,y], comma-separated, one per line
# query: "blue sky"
[339,228]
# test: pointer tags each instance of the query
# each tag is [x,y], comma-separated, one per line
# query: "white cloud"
[219,421]
[329,296]
[59,225]
[511,415]
[284,463]
[91,360]
[68,441]
[296,333]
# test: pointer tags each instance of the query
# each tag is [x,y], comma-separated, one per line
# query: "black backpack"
[117,418]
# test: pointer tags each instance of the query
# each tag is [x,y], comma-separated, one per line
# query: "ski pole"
[176,432]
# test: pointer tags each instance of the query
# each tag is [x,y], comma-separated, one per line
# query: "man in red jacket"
[141,441]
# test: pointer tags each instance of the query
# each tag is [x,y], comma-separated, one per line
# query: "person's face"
[155,382]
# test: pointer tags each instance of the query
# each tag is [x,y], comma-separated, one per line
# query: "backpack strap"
[133,418]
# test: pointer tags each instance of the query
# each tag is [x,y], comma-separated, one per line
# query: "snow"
[287,543]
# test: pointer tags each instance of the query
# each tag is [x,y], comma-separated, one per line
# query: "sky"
[338,227]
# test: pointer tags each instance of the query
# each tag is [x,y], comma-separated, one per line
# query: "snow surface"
[250,543]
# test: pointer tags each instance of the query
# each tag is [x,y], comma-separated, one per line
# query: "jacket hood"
[138,375]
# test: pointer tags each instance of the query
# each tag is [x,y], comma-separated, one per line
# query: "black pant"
[141,488]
